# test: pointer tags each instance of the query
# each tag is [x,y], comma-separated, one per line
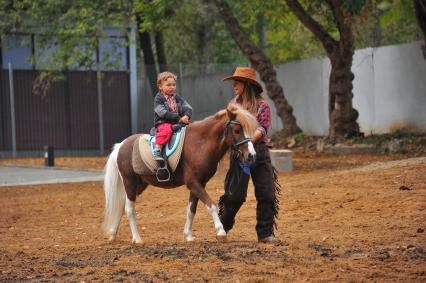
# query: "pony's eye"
[237,132]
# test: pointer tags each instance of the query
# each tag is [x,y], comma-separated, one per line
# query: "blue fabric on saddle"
[171,146]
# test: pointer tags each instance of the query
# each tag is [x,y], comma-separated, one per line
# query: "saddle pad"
[142,161]
[173,143]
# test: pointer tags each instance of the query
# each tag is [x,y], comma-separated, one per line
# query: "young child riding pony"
[169,109]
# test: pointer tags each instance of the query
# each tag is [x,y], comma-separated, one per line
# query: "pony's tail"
[115,195]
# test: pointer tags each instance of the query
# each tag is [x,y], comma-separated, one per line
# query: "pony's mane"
[247,120]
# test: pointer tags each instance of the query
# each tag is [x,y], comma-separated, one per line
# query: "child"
[169,109]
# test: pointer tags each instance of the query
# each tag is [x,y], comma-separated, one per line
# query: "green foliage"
[299,137]
[386,22]
[385,138]
[193,33]
[353,6]
[63,27]
[153,14]
[394,11]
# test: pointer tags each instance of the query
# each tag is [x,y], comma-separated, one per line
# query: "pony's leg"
[190,214]
[132,190]
[200,192]
[220,232]
[131,215]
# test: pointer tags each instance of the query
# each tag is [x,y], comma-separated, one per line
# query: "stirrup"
[163,173]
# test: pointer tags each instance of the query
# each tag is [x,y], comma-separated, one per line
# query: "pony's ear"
[230,110]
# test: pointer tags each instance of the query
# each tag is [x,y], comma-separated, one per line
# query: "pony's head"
[240,130]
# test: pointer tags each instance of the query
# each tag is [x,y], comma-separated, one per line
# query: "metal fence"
[74,117]
[68,118]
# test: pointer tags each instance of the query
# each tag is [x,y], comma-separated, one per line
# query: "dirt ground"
[344,218]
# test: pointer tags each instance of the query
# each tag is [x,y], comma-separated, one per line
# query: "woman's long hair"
[252,98]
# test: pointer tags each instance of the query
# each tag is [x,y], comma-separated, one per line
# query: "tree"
[148,58]
[393,23]
[150,18]
[70,30]
[420,11]
[263,65]
[340,51]
[75,28]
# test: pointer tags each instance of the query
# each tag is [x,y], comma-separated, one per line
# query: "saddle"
[143,162]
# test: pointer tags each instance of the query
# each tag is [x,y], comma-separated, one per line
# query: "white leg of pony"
[187,230]
[131,214]
[220,232]
[115,195]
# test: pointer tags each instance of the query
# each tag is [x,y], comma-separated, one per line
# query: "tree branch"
[344,23]
[261,63]
[242,40]
[327,41]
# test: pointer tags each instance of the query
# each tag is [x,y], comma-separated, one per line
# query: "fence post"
[12,110]
[180,78]
[49,157]
[100,107]
[133,80]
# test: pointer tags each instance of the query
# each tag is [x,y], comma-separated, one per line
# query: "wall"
[389,90]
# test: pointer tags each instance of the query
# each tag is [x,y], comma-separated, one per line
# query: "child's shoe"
[157,155]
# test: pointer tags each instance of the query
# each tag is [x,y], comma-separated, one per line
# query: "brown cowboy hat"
[248,75]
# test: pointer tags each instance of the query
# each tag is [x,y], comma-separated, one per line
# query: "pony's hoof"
[137,241]
[189,238]
[111,238]
[222,238]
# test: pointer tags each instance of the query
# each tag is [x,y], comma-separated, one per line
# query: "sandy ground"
[341,219]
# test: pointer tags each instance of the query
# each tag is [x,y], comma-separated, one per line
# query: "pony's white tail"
[115,195]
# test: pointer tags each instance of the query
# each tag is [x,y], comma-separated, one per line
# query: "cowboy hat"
[248,75]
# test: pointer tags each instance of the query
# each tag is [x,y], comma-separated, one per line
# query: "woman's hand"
[184,120]
[258,135]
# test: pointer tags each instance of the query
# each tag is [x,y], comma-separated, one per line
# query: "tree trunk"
[342,115]
[149,60]
[377,32]
[420,11]
[203,37]
[161,54]
[261,64]
[260,28]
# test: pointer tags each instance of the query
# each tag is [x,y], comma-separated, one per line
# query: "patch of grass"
[376,139]
[299,137]
[385,138]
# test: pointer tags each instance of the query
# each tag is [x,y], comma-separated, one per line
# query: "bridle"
[236,144]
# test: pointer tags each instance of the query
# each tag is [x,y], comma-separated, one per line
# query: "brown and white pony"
[206,142]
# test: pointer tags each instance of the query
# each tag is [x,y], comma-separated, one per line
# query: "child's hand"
[184,120]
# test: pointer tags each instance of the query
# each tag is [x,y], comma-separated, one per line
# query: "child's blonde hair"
[164,76]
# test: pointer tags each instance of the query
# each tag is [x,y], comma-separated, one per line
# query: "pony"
[205,144]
